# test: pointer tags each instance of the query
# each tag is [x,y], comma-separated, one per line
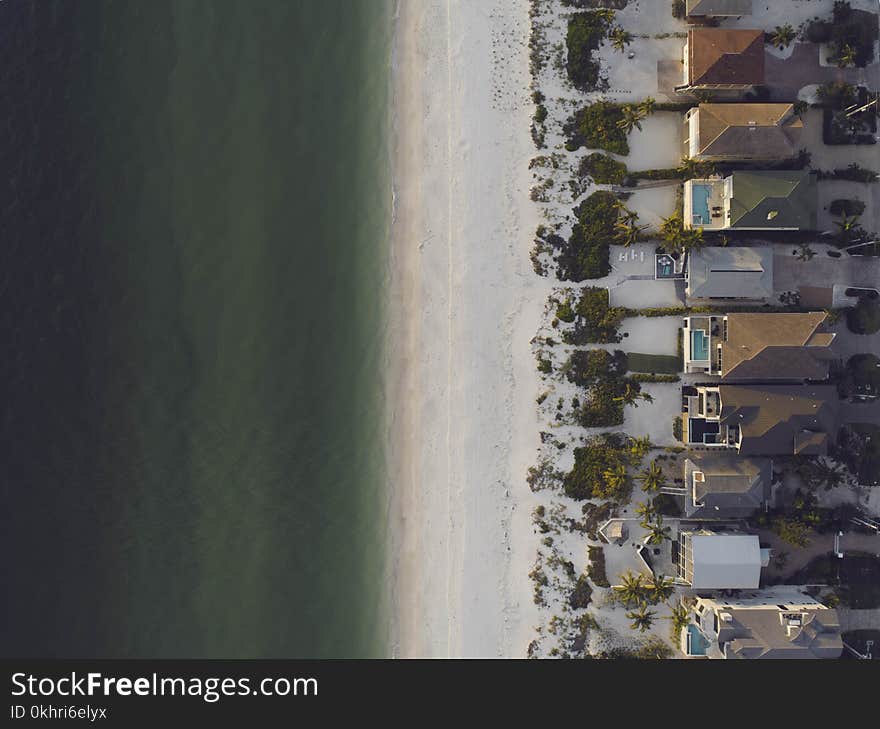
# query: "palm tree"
[629,395]
[619,38]
[677,238]
[652,477]
[662,588]
[850,228]
[627,227]
[782,36]
[631,588]
[805,253]
[631,118]
[639,446]
[658,532]
[642,619]
[646,107]
[690,168]
[680,617]
[615,478]
[647,511]
[846,56]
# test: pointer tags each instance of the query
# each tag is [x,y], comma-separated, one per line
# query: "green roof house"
[766,200]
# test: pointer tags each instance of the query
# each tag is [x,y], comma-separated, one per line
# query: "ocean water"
[194,226]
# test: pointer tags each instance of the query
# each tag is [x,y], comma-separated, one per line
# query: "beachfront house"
[761,420]
[762,626]
[742,132]
[759,347]
[723,485]
[726,273]
[710,560]
[746,200]
[705,9]
[726,62]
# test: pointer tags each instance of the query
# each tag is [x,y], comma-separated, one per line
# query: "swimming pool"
[696,641]
[700,195]
[699,346]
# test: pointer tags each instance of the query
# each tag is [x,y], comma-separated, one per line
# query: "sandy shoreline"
[463,305]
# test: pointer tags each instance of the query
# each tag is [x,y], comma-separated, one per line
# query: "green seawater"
[193,433]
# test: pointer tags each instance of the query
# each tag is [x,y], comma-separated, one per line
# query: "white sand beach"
[464,305]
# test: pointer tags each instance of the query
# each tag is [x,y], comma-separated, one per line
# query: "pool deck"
[716,199]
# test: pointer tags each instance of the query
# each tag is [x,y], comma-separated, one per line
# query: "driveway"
[820,544]
[847,344]
[822,271]
[833,156]
[860,412]
[831,190]
[787,76]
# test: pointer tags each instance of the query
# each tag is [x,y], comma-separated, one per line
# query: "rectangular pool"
[699,346]
[700,195]
[696,641]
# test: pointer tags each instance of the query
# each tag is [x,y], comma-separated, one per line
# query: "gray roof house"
[763,626]
[710,560]
[725,486]
[730,273]
[718,8]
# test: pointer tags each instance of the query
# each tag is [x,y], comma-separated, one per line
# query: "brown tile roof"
[752,131]
[722,56]
[719,7]
[776,346]
[780,419]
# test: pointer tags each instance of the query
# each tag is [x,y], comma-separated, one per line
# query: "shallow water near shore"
[194,259]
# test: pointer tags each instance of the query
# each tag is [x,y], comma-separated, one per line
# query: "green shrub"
[596,568]
[596,322]
[564,312]
[603,409]
[585,33]
[648,377]
[676,428]
[792,531]
[603,169]
[587,478]
[582,594]
[585,367]
[679,9]
[597,126]
[864,318]
[587,253]
[545,365]
[849,208]
[853,173]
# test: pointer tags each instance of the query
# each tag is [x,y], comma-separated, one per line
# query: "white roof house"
[713,561]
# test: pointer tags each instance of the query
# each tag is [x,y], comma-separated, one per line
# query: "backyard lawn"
[658,364]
